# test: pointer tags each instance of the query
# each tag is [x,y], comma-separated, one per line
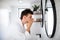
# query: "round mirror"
[50,18]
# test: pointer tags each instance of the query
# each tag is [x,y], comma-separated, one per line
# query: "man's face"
[28,17]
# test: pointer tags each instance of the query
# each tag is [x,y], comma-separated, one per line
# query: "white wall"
[57,35]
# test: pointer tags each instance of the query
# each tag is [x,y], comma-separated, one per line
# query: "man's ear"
[24,17]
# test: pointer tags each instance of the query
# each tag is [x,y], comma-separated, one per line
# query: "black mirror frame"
[42,13]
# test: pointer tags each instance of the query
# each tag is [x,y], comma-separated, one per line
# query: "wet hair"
[25,13]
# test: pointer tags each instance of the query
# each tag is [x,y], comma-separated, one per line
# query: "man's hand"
[29,25]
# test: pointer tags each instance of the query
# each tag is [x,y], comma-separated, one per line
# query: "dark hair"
[26,12]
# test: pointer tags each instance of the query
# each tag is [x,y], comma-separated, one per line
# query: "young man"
[26,18]
[17,31]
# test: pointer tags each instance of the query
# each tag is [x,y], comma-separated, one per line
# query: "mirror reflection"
[50,18]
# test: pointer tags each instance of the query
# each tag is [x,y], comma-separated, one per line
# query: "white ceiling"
[31,1]
[7,0]
[16,2]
